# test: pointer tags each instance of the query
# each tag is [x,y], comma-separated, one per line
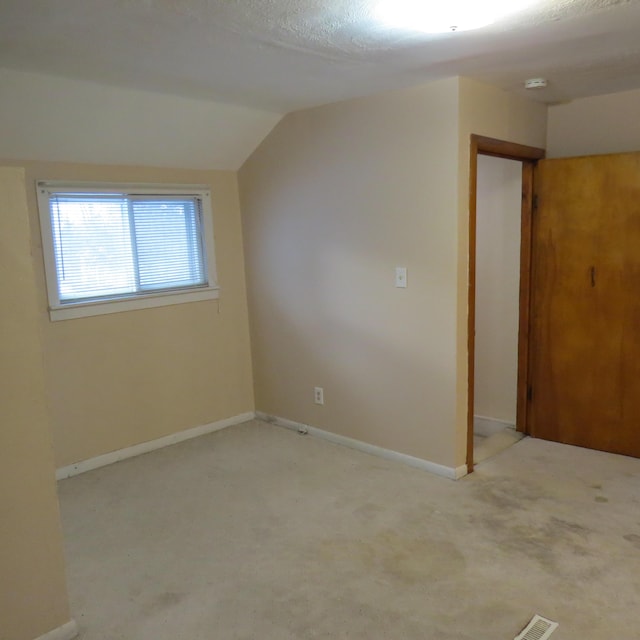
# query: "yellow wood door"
[584,371]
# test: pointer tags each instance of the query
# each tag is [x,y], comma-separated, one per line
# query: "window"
[112,248]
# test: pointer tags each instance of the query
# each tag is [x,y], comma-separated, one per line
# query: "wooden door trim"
[524,314]
[502,149]
[481,145]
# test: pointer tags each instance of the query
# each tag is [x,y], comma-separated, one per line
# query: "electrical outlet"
[318,395]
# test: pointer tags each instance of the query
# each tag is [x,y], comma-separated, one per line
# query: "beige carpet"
[258,533]
[494,444]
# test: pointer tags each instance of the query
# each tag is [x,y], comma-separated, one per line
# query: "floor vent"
[538,629]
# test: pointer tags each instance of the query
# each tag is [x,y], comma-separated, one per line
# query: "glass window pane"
[168,242]
[92,246]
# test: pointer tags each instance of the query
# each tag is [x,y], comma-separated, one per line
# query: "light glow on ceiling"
[441,16]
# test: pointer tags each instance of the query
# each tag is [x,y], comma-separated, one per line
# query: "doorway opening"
[498,323]
[498,197]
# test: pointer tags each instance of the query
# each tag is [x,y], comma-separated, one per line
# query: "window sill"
[85,309]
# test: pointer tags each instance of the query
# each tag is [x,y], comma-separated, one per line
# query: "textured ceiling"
[282,55]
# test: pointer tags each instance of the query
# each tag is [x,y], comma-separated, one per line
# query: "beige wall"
[488,111]
[590,126]
[61,119]
[333,200]
[120,379]
[497,287]
[33,593]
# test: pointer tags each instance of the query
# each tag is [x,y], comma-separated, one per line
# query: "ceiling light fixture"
[441,16]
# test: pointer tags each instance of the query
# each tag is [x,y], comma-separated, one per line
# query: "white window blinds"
[113,245]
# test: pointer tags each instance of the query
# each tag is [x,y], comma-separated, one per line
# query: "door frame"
[528,156]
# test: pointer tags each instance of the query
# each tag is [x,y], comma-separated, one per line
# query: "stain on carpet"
[164,601]
[395,556]
[547,541]
[634,539]
[503,494]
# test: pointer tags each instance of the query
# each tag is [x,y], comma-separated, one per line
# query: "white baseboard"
[388,454]
[483,426]
[145,447]
[67,631]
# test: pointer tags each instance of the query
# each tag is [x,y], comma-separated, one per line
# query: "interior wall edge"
[34,598]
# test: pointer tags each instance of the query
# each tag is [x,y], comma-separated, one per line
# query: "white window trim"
[70,310]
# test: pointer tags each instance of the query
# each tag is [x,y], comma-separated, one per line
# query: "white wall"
[48,118]
[590,126]
[497,287]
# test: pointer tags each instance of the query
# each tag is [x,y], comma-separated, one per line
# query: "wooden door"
[585,308]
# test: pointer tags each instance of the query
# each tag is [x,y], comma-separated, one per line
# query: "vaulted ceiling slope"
[50,118]
[283,55]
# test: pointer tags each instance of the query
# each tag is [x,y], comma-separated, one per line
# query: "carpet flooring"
[489,446]
[257,532]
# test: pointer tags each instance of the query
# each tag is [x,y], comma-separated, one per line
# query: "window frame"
[133,301]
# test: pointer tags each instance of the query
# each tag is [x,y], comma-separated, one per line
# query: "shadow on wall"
[376,380]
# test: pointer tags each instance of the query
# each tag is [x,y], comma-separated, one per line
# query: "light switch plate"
[401,277]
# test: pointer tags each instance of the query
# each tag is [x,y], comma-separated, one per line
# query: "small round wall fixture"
[535,83]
